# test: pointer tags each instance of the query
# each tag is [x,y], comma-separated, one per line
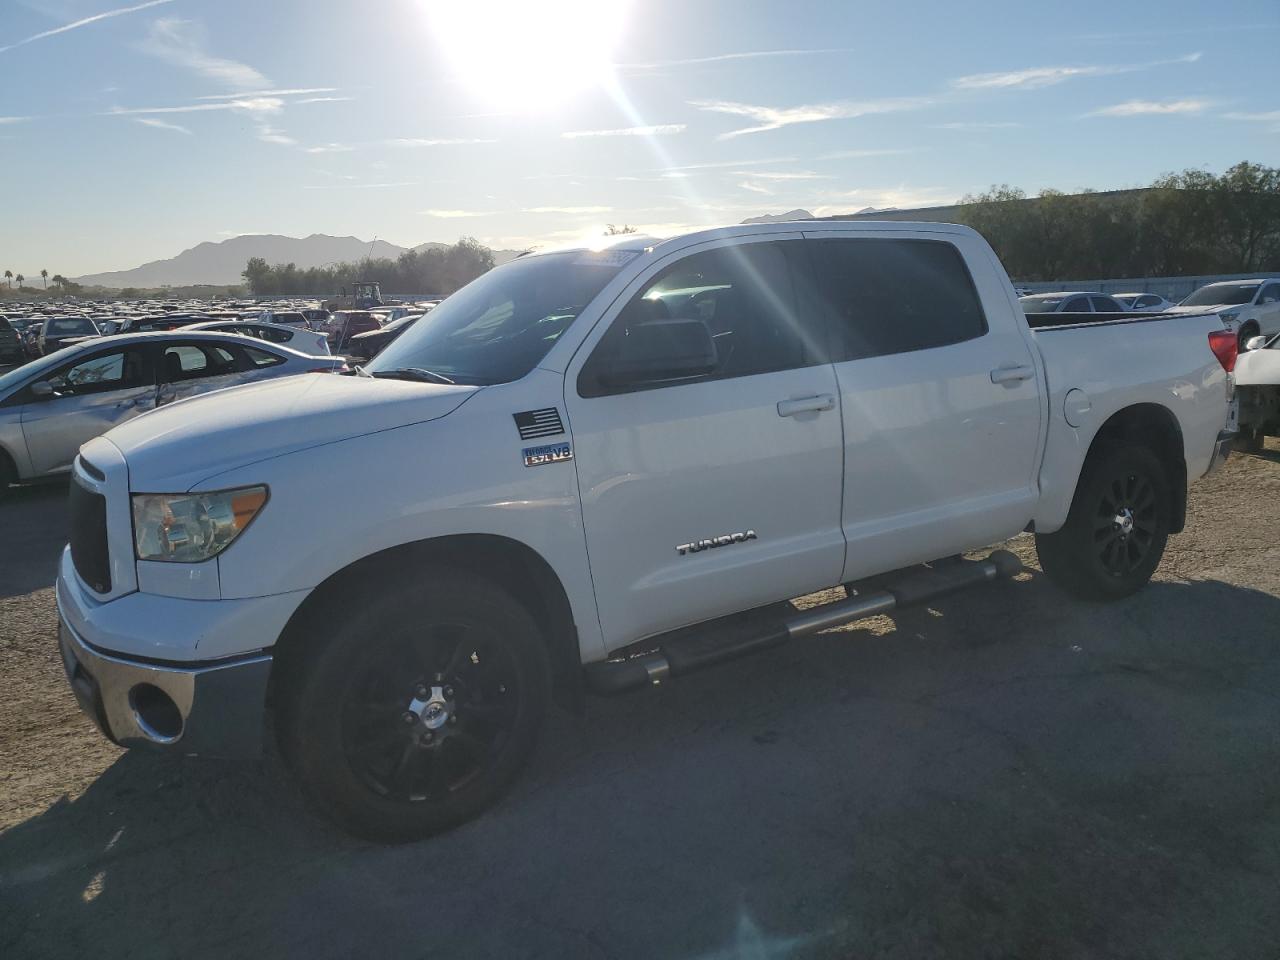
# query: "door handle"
[1012,374]
[790,408]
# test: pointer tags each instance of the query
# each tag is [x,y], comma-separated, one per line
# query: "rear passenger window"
[896,296]
[260,358]
[1077,305]
[1106,305]
[745,297]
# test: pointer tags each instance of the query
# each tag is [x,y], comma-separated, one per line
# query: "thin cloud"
[863,154]
[181,43]
[422,142]
[85,22]
[161,125]
[260,105]
[325,100]
[755,188]
[774,175]
[294,92]
[361,186]
[4,120]
[568,210]
[775,118]
[1034,78]
[724,57]
[1267,117]
[977,125]
[1138,108]
[330,148]
[658,130]
[725,164]
[456,214]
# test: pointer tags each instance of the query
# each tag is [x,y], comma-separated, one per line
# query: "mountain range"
[221,262]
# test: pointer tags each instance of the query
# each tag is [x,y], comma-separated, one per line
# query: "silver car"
[51,406]
[300,338]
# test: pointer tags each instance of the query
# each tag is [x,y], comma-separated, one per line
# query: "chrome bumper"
[212,709]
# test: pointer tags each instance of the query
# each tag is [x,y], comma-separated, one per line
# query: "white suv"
[1248,307]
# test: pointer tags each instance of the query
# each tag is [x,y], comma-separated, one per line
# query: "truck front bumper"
[210,708]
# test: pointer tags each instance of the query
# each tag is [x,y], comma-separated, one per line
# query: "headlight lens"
[190,527]
[1229,316]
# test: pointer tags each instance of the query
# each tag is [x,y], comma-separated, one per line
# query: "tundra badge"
[547,453]
[697,546]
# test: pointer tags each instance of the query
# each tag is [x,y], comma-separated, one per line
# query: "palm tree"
[19,278]
[44,275]
[8,278]
[59,279]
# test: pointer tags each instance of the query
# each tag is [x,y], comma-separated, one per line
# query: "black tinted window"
[1077,305]
[1106,305]
[745,298]
[894,296]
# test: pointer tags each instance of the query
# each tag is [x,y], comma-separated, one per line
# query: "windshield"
[498,327]
[1040,304]
[1224,293]
[69,327]
[32,370]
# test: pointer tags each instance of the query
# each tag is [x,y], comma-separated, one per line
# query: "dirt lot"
[1007,774]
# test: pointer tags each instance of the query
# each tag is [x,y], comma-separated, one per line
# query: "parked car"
[286,318]
[366,346]
[1070,302]
[1257,376]
[342,325]
[11,350]
[31,339]
[589,454]
[1250,308]
[316,319]
[301,339]
[1144,302]
[51,406]
[57,330]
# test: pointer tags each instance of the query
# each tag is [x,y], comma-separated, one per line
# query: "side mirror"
[1255,343]
[42,390]
[657,351]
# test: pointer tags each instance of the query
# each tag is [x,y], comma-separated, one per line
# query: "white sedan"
[51,406]
[303,339]
[1144,302]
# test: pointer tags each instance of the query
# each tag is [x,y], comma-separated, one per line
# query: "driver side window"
[741,296]
[117,370]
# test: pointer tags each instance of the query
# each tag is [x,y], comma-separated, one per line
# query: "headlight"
[190,527]
[1229,316]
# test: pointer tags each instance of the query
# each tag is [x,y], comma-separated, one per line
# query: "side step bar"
[688,652]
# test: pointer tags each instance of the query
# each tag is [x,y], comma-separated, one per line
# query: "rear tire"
[1117,528]
[1247,333]
[417,709]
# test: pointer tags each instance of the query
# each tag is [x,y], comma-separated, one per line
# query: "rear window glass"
[69,327]
[896,296]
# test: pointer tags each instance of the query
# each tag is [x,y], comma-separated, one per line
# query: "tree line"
[1187,223]
[439,270]
[61,285]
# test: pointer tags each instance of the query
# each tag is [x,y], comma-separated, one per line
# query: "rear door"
[939,396]
[91,395]
[715,493]
[186,369]
[1269,308]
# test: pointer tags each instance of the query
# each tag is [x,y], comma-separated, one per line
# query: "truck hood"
[1213,308]
[177,446]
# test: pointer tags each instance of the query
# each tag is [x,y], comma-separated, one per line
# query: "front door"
[91,395]
[716,492]
[939,397]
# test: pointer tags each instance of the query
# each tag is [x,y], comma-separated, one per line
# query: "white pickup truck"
[574,474]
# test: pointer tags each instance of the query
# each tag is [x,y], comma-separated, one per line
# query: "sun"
[528,55]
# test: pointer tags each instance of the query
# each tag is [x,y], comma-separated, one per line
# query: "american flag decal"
[533,424]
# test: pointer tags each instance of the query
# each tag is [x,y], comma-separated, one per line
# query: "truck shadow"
[33,530]
[1004,773]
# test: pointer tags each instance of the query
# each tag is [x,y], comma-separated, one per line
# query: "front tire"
[1117,528]
[418,709]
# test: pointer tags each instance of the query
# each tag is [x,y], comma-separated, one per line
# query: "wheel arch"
[510,564]
[1154,426]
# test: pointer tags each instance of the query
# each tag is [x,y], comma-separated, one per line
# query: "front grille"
[88,512]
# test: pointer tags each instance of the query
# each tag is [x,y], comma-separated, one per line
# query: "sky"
[131,130]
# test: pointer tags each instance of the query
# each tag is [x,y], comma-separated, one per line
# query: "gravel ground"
[1006,774]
